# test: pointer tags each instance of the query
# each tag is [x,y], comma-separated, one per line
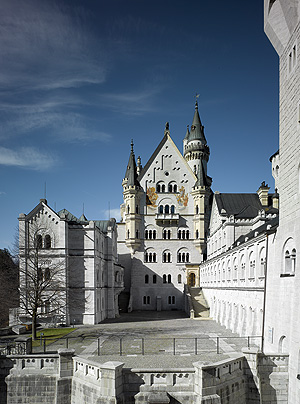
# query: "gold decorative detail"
[151,197]
[182,198]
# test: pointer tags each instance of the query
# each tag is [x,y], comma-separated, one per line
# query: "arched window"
[167,209]
[170,188]
[187,234]
[287,259]
[197,233]
[282,346]
[235,270]
[172,209]
[179,234]
[146,234]
[161,209]
[39,241]
[164,234]
[146,299]
[150,234]
[197,209]
[154,278]
[293,259]
[128,234]
[146,278]
[262,262]
[157,187]
[128,209]
[154,234]
[169,234]
[175,188]
[171,299]
[47,241]
[166,256]
[163,188]
[169,278]
[251,265]
[164,278]
[243,267]
[137,234]
[137,209]
[179,279]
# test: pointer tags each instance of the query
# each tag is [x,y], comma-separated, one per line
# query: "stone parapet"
[92,380]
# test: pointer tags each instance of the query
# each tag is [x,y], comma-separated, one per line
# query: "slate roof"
[197,129]
[131,171]
[273,223]
[101,224]
[201,176]
[242,206]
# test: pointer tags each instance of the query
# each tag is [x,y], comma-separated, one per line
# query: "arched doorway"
[191,279]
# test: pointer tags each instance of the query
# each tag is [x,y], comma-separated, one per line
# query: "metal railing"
[129,346]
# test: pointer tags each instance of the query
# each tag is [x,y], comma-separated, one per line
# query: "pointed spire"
[197,129]
[131,171]
[201,176]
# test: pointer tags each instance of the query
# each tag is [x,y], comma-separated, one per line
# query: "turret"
[195,147]
[132,193]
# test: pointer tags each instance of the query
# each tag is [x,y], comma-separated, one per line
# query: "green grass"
[51,334]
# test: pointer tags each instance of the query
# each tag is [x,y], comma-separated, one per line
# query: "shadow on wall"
[5,365]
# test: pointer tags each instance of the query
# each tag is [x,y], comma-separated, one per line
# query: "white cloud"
[45,45]
[26,157]
[134,103]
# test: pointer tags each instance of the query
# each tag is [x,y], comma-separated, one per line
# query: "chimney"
[275,199]
[262,192]
[139,165]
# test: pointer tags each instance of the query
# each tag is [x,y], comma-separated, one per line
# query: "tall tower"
[132,192]
[195,147]
[201,194]
[196,153]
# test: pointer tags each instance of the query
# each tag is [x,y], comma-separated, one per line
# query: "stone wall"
[40,379]
[267,377]
[64,379]
[224,381]
[95,384]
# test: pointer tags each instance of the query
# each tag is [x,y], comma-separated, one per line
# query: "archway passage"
[191,279]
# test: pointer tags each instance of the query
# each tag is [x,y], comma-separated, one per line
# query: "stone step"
[201,308]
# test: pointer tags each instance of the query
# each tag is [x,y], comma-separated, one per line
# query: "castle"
[235,249]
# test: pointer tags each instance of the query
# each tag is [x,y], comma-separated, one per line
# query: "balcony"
[167,218]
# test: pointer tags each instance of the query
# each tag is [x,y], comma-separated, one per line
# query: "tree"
[42,274]
[9,281]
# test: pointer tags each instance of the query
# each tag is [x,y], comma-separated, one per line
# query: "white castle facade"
[235,250]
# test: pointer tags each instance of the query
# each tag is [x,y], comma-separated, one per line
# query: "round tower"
[195,148]
[132,193]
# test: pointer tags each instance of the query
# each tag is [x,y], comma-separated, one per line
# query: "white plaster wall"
[282,312]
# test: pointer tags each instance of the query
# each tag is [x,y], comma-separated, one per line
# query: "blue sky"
[80,79]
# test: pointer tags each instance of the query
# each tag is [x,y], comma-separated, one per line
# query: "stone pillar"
[66,362]
[23,345]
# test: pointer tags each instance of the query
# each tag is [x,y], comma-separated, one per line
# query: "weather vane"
[197,96]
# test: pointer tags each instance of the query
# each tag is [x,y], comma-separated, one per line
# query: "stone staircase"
[200,306]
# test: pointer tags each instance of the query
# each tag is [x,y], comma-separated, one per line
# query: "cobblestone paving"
[158,335]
